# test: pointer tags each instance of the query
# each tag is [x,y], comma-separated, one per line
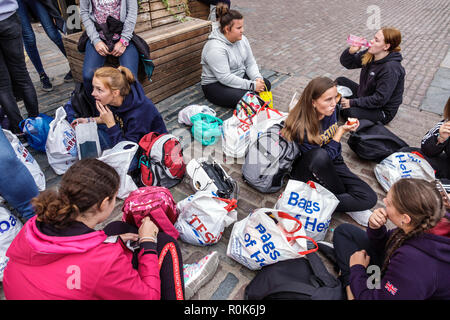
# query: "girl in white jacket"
[229,68]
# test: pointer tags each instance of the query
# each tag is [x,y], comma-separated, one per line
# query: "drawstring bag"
[36,130]
[206,128]
[310,203]
[204,216]
[268,236]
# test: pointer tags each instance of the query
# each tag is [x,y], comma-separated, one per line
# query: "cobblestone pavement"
[293,42]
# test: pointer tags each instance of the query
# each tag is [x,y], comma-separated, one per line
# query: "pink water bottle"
[358,41]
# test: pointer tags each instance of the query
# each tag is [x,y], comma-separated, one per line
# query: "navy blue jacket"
[136,117]
[329,127]
[381,83]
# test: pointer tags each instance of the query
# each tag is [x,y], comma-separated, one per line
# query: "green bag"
[206,128]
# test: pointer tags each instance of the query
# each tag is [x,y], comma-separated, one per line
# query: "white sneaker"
[197,274]
[361,217]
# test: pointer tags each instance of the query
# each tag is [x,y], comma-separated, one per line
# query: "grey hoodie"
[227,62]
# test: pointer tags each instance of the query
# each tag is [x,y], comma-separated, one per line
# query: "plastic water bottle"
[358,41]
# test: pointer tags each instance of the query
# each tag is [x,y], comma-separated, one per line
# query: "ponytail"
[226,16]
[392,36]
[116,78]
[83,187]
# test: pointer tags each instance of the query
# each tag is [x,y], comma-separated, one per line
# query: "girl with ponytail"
[63,253]
[229,68]
[379,93]
[412,260]
[125,113]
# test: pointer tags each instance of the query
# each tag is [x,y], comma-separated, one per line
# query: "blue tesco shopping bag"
[36,130]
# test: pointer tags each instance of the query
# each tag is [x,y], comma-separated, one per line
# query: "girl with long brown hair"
[412,261]
[379,93]
[312,123]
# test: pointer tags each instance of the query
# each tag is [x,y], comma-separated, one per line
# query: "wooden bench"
[198,9]
[175,48]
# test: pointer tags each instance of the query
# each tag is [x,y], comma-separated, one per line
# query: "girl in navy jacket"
[312,123]
[125,113]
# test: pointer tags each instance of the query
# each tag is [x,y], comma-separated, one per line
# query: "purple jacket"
[418,270]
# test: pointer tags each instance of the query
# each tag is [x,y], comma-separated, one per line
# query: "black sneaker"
[22,139]
[46,84]
[68,77]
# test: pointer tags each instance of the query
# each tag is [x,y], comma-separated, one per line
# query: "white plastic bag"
[61,146]
[120,157]
[27,159]
[264,119]
[402,165]
[184,116]
[310,203]
[236,132]
[9,228]
[88,144]
[267,236]
[203,217]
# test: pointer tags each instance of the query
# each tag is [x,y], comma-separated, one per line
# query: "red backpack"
[161,162]
[154,202]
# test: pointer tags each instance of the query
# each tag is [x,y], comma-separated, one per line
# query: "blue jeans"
[17,185]
[29,38]
[93,60]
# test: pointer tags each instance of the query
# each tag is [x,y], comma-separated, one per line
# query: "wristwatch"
[124,42]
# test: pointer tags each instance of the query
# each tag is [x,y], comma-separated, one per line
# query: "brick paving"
[293,42]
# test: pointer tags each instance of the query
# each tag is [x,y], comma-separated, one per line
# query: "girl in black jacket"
[381,83]
[436,145]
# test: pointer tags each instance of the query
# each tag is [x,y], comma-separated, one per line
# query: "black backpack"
[295,279]
[373,141]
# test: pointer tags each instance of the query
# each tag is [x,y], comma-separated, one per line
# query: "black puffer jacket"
[381,83]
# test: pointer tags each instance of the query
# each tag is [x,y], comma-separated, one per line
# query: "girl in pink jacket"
[59,255]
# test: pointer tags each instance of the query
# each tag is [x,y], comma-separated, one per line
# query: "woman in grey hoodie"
[229,68]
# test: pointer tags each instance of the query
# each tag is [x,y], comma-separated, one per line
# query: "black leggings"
[347,239]
[167,249]
[373,115]
[352,192]
[224,96]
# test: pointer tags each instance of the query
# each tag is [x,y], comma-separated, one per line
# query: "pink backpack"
[154,202]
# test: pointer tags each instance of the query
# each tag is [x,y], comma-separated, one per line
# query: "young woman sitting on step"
[229,68]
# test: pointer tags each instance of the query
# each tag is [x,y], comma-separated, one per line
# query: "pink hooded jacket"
[87,267]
